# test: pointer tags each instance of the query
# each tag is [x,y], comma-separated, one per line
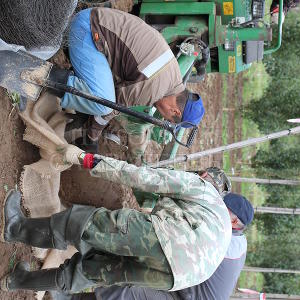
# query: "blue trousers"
[92,71]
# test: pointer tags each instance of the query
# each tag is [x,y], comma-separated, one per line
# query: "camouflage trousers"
[115,247]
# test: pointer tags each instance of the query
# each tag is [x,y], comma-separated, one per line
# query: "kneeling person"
[179,245]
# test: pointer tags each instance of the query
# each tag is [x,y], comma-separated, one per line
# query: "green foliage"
[256,81]
[281,160]
[254,281]
[278,245]
[280,100]
[285,283]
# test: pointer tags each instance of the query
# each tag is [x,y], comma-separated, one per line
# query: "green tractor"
[224,36]
[234,30]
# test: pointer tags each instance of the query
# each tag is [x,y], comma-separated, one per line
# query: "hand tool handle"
[173,128]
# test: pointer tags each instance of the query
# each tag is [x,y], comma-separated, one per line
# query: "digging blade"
[14,64]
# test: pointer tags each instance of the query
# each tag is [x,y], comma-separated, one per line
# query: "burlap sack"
[40,181]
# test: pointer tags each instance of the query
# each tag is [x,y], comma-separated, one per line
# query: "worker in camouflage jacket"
[180,244]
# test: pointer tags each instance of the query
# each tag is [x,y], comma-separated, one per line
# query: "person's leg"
[92,71]
[46,233]
[80,296]
[92,270]
[123,248]
[131,293]
[134,254]
[68,278]
[117,293]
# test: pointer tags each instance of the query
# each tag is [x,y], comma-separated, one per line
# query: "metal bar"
[118,107]
[176,145]
[244,34]
[238,145]
[279,36]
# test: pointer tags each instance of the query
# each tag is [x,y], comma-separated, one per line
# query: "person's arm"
[179,184]
[162,181]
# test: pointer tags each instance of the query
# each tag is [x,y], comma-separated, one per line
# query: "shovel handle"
[173,128]
[68,89]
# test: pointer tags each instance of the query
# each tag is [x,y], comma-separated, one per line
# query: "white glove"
[71,154]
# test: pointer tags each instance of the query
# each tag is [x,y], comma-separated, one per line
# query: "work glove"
[71,154]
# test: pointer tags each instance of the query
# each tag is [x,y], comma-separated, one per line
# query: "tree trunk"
[242,296]
[265,180]
[269,270]
[277,210]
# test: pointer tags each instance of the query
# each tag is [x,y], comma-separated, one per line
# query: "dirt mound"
[14,154]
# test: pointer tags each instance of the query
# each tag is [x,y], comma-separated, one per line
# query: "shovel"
[28,75]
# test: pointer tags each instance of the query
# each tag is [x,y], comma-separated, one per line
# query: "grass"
[5,187]
[226,162]
[12,260]
[251,280]
[15,100]
[255,81]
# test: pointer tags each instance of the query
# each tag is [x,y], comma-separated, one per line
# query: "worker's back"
[143,65]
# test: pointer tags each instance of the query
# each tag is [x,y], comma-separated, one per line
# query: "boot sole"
[3,219]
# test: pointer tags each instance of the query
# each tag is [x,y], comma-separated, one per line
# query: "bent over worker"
[117,56]
[179,245]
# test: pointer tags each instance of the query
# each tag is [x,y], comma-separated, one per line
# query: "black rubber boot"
[17,228]
[58,231]
[22,279]
[66,279]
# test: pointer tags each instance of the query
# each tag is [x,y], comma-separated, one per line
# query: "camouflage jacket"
[191,220]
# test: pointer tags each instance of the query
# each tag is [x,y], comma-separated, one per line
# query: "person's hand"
[71,154]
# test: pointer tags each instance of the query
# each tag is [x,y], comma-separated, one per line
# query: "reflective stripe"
[158,63]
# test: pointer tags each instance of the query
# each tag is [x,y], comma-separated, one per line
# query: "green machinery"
[234,30]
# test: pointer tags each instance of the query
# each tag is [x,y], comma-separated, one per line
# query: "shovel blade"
[14,64]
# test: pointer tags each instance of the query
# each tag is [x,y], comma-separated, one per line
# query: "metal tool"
[28,75]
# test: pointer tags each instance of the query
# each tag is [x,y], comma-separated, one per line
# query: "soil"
[234,103]
[15,153]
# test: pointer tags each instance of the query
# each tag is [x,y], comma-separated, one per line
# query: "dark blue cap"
[240,206]
[193,110]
